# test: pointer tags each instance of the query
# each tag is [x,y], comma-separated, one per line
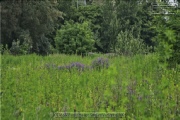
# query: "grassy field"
[32,87]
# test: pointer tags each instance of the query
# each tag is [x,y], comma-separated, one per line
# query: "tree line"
[125,27]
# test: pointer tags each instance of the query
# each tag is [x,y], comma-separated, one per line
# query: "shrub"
[127,44]
[5,50]
[74,38]
[167,43]
[15,49]
[22,45]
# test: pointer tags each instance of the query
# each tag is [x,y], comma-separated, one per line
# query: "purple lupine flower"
[130,89]
[74,65]
[47,66]
[61,67]
[68,67]
[100,63]
[77,65]
[139,97]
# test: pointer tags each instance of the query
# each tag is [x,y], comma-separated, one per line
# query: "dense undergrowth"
[140,86]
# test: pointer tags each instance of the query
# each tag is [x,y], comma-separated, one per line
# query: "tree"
[92,14]
[38,18]
[109,26]
[167,40]
[174,24]
[118,16]
[147,32]
[10,13]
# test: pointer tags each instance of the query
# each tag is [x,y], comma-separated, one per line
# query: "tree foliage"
[168,38]
[127,44]
[36,18]
[90,12]
[122,26]
[75,38]
[119,16]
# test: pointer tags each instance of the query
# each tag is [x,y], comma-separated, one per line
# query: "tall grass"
[139,86]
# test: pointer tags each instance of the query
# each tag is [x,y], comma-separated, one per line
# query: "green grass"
[139,86]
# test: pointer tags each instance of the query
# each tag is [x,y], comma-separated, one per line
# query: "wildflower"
[61,67]
[77,65]
[100,63]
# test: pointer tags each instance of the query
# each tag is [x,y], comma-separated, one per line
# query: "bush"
[23,44]
[15,49]
[18,48]
[164,43]
[5,50]
[74,38]
[127,44]
[167,40]
[43,46]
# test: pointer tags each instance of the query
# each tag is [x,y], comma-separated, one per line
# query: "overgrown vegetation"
[140,86]
[60,26]
[89,56]
[128,45]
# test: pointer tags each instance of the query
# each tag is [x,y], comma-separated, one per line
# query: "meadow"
[32,87]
